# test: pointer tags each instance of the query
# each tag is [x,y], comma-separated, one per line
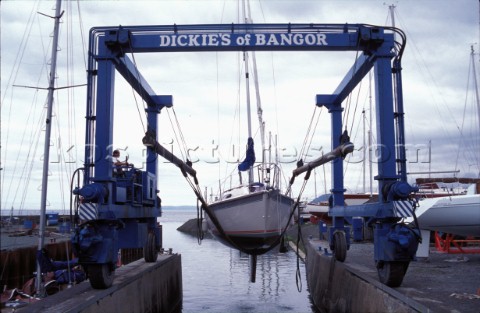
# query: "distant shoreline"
[29,212]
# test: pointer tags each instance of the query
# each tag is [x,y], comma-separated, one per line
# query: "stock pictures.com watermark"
[213,154]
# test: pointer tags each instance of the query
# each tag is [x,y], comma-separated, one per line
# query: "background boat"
[459,215]
[319,206]
[451,205]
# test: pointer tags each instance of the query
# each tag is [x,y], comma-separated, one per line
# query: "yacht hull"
[252,223]
[458,215]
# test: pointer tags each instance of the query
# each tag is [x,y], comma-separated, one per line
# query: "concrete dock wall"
[335,287]
[138,287]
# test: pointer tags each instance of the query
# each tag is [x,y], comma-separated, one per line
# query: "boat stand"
[447,243]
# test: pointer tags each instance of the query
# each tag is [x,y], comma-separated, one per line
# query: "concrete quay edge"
[137,287]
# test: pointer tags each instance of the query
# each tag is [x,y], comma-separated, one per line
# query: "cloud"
[208,95]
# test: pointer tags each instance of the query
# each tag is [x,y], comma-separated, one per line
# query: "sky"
[442,124]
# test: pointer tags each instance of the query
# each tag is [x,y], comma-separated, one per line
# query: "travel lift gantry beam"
[125,209]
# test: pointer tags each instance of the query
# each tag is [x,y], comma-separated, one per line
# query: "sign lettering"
[249,39]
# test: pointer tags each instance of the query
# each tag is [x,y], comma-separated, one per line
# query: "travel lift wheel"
[150,252]
[339,245]
[100,275]
[391,273]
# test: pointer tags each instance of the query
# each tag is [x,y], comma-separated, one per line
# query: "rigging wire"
[346,111]
[295,208]
[310,132]
[218,99]
[58,146]
[205,206]
[70,93]
[62,163]
[144,106]
[178,135]
[470,155]
[237,121]
[27,170]
[236,124]
[430,81]
[29,161]
[82,35]
[354,133]
[66,168]
[11,79]
[356,106]
[182,137]
[314,130]
[72,116]
[348,101]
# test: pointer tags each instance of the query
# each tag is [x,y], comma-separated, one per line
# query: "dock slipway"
[440,283]
[138,287]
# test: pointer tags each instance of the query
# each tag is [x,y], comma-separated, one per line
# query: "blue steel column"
[152,167]
[402,158]
[104,120]
[152,122]
[337,166]
[385,127]
[89,160]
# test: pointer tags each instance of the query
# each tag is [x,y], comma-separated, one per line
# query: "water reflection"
[216,278]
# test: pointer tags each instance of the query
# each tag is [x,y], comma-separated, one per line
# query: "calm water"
[216,278]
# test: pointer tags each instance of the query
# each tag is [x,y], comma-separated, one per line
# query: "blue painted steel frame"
[109,45]
[380,214]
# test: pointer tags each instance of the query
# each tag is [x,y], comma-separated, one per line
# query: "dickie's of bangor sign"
[249,39]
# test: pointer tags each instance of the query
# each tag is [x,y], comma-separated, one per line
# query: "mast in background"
[46,153]
[477,97]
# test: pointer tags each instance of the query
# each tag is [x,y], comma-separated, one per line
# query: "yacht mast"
[477,97]
[46,153]
[247,86]
[259,102]
[364,151]
[247,82]
[392,15]
[248,20]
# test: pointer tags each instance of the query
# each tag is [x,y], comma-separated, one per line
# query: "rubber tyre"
[340,246]
[100,275]
[392,273]
[150,252]
[52,287]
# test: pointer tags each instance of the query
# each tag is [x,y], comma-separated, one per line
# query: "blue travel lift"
[121,212]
